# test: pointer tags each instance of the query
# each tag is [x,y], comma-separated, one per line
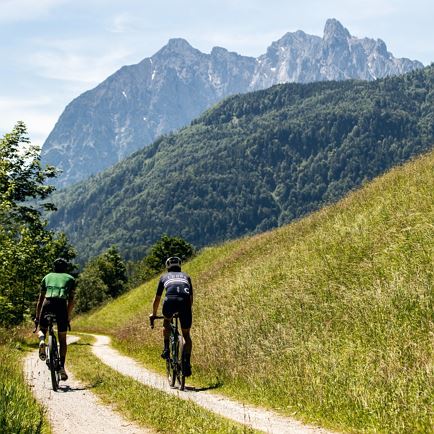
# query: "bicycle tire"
[180,376]
[171,377]
[171,363]
[53,356]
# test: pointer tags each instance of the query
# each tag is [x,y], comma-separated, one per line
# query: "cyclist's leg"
[63,347]
[188,344]
[62,327]
[43,326]
[186,353]
[185,317]
[168,312]
[166,337]
[43,323]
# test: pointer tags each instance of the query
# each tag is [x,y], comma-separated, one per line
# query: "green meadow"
[328,319]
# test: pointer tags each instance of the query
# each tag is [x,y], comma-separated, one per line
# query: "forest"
[251,163]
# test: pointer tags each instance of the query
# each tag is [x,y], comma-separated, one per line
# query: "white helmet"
[173,261]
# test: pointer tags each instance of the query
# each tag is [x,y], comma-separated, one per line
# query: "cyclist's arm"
[155,304]
[157,298]
[40,301]
[191,291]
[71,302]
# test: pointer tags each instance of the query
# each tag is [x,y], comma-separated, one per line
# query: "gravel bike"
[176,344]
[52,356]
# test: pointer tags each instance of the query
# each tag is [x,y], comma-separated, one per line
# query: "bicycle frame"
[176,343]
[52,351]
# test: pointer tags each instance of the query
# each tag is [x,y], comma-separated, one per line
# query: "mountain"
[253,162]
[138,103]
[339,304]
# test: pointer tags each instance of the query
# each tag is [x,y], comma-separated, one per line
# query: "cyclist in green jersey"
[56,296]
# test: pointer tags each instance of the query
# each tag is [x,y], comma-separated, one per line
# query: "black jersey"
[176,283]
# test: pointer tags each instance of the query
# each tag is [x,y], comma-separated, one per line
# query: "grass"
[19,411]
[328,319]
[144,405]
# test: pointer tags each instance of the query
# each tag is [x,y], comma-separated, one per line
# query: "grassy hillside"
[252,163]
[327,319]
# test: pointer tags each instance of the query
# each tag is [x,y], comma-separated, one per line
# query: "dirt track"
[256,418]
[73,408]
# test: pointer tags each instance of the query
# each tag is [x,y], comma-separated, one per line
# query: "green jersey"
[58,285]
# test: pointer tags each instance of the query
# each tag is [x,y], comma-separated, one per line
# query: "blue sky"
[53,50]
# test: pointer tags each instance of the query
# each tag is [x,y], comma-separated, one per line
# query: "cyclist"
[178,299]
[56,296]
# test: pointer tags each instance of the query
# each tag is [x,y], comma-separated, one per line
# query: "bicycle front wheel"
[53,361]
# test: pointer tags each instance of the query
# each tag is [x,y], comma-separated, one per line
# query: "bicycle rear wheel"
[179,375]
[53,355]
[171,362]
[171,375]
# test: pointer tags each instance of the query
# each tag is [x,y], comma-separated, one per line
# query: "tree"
[22,178]
[166,247]
[113,271]
[27,247]
[155,260]
[91,290]
[103,278]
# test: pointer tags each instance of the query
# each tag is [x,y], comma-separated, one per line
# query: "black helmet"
[173,261]
[60,265]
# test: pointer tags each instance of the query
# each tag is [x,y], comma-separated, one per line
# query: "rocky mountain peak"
[166,91]
[381,48]
[176,46]
[219,51]
[335,30]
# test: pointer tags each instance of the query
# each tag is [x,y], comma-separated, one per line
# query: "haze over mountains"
[166,91]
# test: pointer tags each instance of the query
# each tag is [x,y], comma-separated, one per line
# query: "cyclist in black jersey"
[178,299]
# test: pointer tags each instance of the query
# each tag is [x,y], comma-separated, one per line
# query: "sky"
[51,51]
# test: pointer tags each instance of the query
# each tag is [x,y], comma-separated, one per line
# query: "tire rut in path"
[256,418]
[73,408]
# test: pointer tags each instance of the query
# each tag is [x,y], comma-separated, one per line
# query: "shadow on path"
[202,389]
[67,388]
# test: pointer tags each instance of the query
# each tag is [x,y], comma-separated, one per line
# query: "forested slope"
[254,162]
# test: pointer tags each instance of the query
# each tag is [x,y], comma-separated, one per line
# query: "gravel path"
[256,418]
[73,408]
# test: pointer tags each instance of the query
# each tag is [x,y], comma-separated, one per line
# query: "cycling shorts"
[58,307]
[181,306]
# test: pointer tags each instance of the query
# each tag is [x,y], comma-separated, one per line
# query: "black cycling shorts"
[58,307]
[181,306]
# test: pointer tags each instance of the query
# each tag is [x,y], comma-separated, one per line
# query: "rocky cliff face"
[166,91]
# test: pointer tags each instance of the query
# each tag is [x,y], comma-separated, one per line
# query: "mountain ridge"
[164,92]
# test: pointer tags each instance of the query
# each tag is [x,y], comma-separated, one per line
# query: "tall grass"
[328,318]
[19,411]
